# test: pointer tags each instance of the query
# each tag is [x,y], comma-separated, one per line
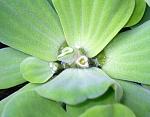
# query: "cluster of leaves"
[45,40]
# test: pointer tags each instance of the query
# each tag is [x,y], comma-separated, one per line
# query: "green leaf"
[10,67]
[31,26]
[74,86]
[50,1]
[146,86]
[138,13]
[92,24]
[127,56]
[1,108]
[137,98]
[148,2]
[145,18]
[115,110]
[76,110]
[30,104]
[27,87]
[37,71]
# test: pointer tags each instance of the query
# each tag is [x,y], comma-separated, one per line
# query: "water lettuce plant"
[76,58]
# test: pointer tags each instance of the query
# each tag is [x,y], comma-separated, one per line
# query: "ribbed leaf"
[116,110]
[148,2]
[30,104]
[37,71]
[31,26]
[76,110]
[138,13]
[10,60]
[92,24]
[128,56]
[74,86]
[137,98]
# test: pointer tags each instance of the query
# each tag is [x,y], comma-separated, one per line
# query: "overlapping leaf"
[76,110]
[10,60]
[115,110]
[138,13]
[28,87]
[50,1]
[128,56]
[72,111]
[74,86]
[145,18]
[92,24]
[146,86]
[37,71]
[31,26]
[137,98]
[30,104]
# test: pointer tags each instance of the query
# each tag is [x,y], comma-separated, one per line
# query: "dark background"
[2,45]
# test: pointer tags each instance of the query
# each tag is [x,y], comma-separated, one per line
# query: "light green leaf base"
[92,24]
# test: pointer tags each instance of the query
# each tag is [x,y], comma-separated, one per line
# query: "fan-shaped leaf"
[10,60]
[115,110]
[31,26]
[127,57]
[37,71]
[137,98]
[30,104]
[92,24]
[74,86]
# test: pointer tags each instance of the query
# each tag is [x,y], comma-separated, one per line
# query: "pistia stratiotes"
[78,58]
